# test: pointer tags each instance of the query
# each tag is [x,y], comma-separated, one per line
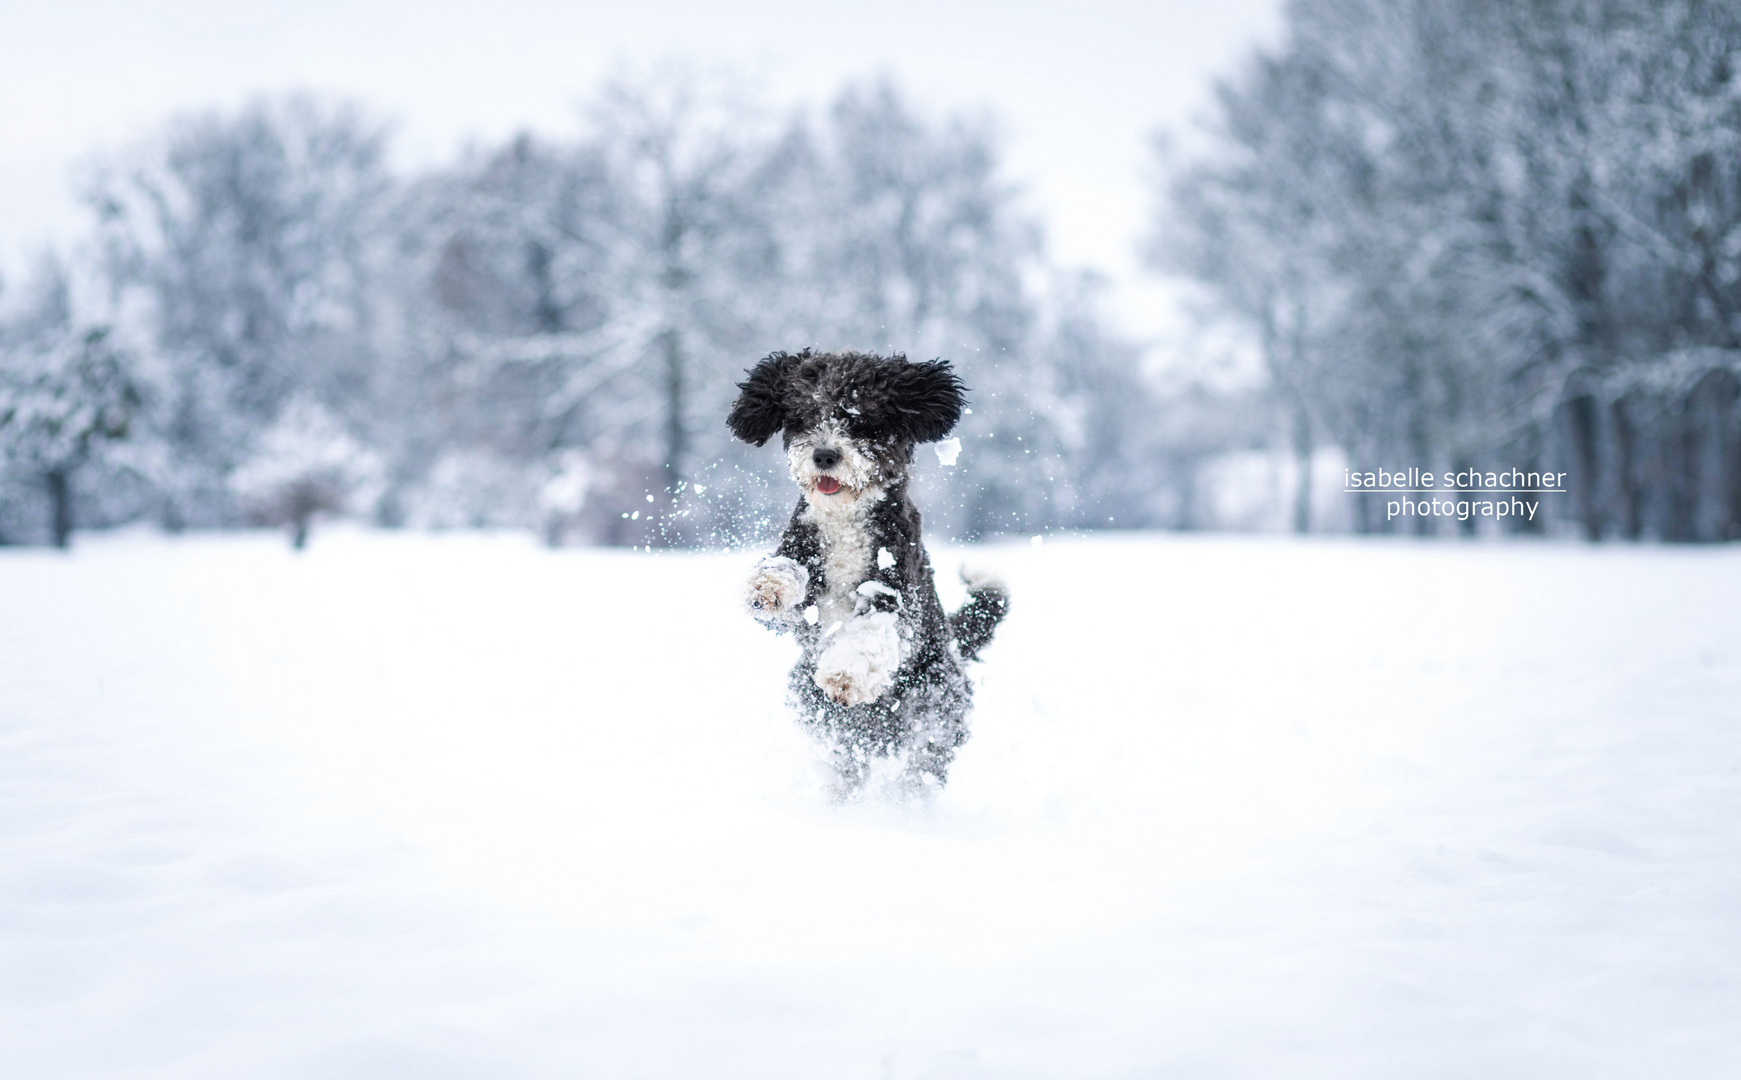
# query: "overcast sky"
[1077,87]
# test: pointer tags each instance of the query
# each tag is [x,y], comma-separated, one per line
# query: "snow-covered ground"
[454,807]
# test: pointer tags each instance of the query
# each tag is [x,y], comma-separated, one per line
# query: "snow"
[873,589]
[459,806]
[859,663]
[948,450]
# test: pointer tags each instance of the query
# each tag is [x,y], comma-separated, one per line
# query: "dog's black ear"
[928,398]
[760,410]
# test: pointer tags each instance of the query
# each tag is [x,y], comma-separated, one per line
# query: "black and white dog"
[882,674]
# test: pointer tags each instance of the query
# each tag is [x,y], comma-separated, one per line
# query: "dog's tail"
[988,601]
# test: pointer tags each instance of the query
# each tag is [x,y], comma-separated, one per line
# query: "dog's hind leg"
[851,770]
[927,769]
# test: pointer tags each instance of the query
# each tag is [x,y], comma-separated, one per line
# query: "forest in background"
[1435,233]
[266,324]
[1480,234]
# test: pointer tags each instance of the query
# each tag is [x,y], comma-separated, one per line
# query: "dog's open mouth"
[828,485]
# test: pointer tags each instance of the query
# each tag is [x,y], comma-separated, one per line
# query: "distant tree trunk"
[1421,443]
[1581,422]
[1364,514]
[1465,526]
[674,279]
[60,496]
[1730,449]
[546,311]
[1284,353]
[1303,466]
[676,438]
[1714,480]
[303,504]
[1534,525]
[1625,471]
[1683,473]
[1185,515]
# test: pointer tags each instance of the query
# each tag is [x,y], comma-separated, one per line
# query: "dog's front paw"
[848,687]
[776,588]
[859,664]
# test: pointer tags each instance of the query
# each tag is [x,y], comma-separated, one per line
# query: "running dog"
[883,670]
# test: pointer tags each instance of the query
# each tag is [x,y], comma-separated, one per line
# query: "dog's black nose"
[825,457]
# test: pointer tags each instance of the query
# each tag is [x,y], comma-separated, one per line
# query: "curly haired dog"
[882,673]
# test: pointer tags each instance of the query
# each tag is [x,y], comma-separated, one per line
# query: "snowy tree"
[600,296]
[694,250]
[502,303]
[550,331]
[66,394]
[251,237]
[917,243]
[603,296]
[303,465]
[1125,457]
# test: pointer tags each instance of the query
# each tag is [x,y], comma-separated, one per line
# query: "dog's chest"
[848,552]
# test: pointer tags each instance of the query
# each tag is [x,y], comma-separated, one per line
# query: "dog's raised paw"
[843,688]
[776,588]
[860,662]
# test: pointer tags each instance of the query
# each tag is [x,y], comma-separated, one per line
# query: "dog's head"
[849,420]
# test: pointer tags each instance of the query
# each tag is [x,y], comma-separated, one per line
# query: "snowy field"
[428,808]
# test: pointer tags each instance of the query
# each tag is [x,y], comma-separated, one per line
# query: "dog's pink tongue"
[828,485]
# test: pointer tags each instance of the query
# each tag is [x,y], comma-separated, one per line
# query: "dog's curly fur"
[882,672]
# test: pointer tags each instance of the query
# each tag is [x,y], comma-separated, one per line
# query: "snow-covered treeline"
[269,323]
[1479,233]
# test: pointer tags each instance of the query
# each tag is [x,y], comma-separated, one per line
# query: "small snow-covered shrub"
[305,464]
